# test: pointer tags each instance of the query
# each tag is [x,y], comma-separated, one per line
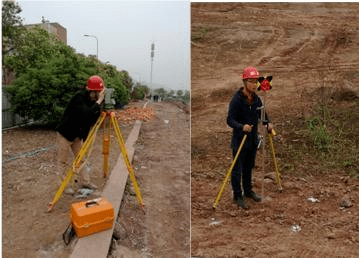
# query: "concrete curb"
[97,245]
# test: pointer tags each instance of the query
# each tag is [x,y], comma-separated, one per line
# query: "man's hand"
[270,127]
[247,128]
[101,96]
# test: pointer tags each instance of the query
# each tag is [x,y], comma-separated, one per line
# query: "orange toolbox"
[92,216]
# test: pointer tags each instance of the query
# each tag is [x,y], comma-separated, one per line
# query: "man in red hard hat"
[81,113]
[243,115]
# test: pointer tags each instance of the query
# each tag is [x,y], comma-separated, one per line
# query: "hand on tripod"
[269,127]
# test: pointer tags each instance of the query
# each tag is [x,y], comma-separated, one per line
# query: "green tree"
[186,96]
[179,93]
[140,91]
[12,27]
[171,93]
[127,80]
[161,92]
[12,30]
[36,47]
[42,92]
[48,73]
[120,81]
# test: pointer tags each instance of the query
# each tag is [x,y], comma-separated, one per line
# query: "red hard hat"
[95,82]
[250,72]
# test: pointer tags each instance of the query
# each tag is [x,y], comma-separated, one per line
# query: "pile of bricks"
[131,114]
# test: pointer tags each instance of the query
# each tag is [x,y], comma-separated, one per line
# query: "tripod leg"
[223,186]
[277,174]
[106,147]
[77,162]
[125,157]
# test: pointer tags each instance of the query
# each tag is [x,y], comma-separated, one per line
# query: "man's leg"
[84,176]
[248,166]
[236,181]
[63,149]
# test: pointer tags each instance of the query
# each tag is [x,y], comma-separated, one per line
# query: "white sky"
[125,32]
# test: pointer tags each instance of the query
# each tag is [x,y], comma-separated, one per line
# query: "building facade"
[52,27]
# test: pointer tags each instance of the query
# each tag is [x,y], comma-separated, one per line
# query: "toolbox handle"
[89,203]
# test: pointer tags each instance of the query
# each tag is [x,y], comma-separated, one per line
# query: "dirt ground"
[162,163]
[29,184]
[311,51]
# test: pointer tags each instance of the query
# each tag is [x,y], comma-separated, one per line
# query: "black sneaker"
[240,201]
[254,196]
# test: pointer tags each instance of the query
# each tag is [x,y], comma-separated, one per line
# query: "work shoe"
[254,196]
[88,186]
[240,201]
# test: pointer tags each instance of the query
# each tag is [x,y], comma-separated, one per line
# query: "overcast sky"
[125,32]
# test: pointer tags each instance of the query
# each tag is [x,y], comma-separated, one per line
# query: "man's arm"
[232,114]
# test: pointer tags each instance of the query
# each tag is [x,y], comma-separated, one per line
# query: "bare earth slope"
[311,51]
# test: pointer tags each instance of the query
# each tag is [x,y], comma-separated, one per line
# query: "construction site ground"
[29,183]
[311,50]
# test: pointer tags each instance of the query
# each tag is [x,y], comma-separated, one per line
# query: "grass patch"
[326,141]
[200,34]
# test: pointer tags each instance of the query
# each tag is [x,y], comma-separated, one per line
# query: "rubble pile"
[131,114]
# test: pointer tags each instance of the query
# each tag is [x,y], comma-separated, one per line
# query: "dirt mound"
[335,93]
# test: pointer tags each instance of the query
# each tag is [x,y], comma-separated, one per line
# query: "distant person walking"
[81,113]
[243,116]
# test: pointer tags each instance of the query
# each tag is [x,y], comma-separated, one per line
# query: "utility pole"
[152,56]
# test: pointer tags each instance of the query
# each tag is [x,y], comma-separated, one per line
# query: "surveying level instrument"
[78,162]
[223,186]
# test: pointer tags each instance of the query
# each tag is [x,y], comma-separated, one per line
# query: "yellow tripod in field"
[78,161]
[225,181]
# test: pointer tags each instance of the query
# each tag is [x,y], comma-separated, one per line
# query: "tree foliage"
[179,93]
[171,93]
[140,91]
[42,92]
[48,73]
[12,27]
[161,92]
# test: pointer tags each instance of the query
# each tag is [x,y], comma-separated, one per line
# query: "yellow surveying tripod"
[78,161]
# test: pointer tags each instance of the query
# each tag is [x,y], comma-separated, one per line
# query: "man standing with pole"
[243,115]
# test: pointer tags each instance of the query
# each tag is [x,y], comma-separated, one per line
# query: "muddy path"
[162,163]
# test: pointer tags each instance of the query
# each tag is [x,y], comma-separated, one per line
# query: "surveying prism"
[107,119]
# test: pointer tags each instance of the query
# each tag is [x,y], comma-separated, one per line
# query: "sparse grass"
[200,34]
[318,131]
[328,142]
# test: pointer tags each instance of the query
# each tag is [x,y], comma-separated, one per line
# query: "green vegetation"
[179,95]
[48,72]
[328,140]
[140,91]
[200,34]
